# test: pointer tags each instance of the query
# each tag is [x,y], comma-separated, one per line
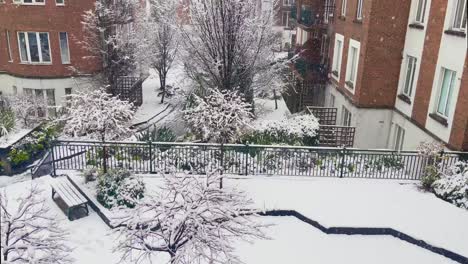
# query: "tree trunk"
[104,153]
[276,99]
[162,82]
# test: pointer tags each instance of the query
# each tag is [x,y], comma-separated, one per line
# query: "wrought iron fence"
[326,115]
[152,157]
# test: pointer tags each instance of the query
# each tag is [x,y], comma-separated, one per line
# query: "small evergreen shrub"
[119,188]
[453,185]
[7,121]
[163,134]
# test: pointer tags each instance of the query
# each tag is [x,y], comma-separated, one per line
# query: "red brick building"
[40,50]
[398,71]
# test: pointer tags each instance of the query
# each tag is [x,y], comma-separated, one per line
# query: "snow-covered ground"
[13,136]
[292,241]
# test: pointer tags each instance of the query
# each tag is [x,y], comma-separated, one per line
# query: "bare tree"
[191,220]
[29,110]
[107,30]
[157,38]
[229,42]
[29,233]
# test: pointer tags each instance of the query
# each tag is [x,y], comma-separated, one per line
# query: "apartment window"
[345,117]
[337,55]
[359,10]
[459,20]
[343,7]
[64,50]
[420,11]
[399,138]
[446,92]
[42,95]
[34,47]
[352,66]
[409,76]
[288,2]
[332,100]
[10,57]
[59,2]
[30,2]
[286,15]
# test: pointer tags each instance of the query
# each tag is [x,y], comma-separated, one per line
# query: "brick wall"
[49,18]
[459,133]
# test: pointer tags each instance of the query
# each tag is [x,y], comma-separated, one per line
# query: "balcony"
[307,18]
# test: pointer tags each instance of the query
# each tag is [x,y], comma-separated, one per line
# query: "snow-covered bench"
[69,194]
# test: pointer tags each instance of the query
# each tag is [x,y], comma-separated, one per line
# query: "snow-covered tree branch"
[229,43]
[29,233]
[97,115]
[28,110]
[107,35]
[220,117]
[191,220]
[157,38]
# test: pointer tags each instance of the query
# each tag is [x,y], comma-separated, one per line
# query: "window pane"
[59,1]
[51,101]
[352,75]
[421,11]
[23,48]
[460,15]
[445,92]
[10,58]
[45,49]
[64,52]
[33,47]
[39,99]
[450,93]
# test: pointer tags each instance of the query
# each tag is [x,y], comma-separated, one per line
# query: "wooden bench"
[69,194]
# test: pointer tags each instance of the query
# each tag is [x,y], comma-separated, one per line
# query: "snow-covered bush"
[162,134]
[298,130]
[453,185]
[29,232]
[431,152]
[97,115]
[221,116]
[190,219]
[29,110]
[119,188]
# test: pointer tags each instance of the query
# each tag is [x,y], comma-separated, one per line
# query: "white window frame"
[33,2]
[68,49]
[346,117]
[28,52]
[50,110]
[337,55]
[343,7]
[409,76]
[352,69]
[398,137]
[60,4]
[421,6]
[448,100]
[288,16]
[456,19]
[10,55]
[359,9]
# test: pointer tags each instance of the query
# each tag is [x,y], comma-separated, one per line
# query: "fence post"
[151,156]
[54,171]
[246,159]
[342,154]
[441,158]
[222,166]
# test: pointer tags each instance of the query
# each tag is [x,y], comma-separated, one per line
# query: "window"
[352,66]
[15,90]
[10,58]
[343,7]
[359,10]
[345,117]
[409,75]
[30,2]
[44,96]
[337,54]
[288,2]
[420,11]
[446,92]
[332,100]
[64,50]
[34,47]
[399,138]
[459,20]
[60,2]
[68,92]
[286,15]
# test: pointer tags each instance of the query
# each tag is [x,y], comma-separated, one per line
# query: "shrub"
[119,188]
[431,152]
[90,174]
[18,157]
[7,121]
[453,185]
[163,134]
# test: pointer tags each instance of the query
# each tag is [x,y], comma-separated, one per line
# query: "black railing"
[151,157]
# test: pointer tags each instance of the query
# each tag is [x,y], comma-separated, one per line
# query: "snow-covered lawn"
[293,241]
